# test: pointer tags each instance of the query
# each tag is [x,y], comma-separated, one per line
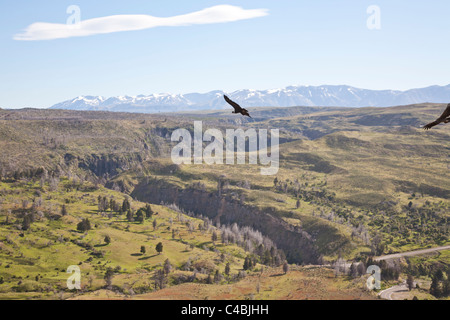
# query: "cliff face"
[100,165]
[297,244]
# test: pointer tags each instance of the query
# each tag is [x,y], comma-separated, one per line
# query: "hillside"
[352,183]
[34,257]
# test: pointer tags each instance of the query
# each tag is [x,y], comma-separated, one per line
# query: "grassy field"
[37,259]
[299,284]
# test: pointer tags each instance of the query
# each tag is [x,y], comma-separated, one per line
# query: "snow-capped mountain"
[342,96]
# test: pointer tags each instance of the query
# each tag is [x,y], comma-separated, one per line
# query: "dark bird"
[237,108]
[445,118]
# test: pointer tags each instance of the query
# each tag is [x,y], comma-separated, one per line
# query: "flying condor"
[237,108]
[445,118]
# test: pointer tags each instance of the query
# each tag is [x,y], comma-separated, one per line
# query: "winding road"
[387,294]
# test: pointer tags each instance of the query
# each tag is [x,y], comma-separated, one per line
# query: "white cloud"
[117,23]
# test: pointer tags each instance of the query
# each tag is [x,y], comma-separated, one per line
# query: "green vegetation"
[86,189]
[34,259]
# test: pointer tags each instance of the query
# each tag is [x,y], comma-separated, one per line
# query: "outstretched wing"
[236,107]
[446,113]
[431,125]
[442,118]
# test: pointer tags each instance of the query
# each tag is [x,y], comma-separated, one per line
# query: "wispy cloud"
[118,23]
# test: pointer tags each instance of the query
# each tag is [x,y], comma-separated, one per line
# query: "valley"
[352,184]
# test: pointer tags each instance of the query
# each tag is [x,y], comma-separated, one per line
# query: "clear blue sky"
[297,43]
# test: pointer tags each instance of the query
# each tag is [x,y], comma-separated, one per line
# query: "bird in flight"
[237,108]
[445,118]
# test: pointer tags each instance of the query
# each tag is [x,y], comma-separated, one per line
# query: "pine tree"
[159,247]
[410,282]
[217,277]
[248,263]
[109,274]
[140,216]
[435,289]
[27,222]
[227,269]
[214,237]
[63,210]
[84,225]
[105,204]
[148,211]
[446,288]
[125,205]
[285,267]
[130,216]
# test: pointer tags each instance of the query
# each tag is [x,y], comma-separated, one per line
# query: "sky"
[200,46]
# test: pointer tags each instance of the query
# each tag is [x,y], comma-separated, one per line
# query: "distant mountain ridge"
[326,96]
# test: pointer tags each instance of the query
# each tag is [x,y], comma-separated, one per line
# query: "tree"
[107,239]
[84,225]
[167,266]
[112,204]
[435,289]
[26,223]
[130,216]
[160,279]
[227,269]
[410,282]
[209,279]
[63,210]
[214,237]
[140,216]
[248,263]
[446,288]
[105,204]
[159,247]
[353,270]
[108,277]
[217,277]
[143,250]
[148,211]
[145,212]
[285,267]
[126,205]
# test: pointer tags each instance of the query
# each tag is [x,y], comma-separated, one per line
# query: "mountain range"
[326,95]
